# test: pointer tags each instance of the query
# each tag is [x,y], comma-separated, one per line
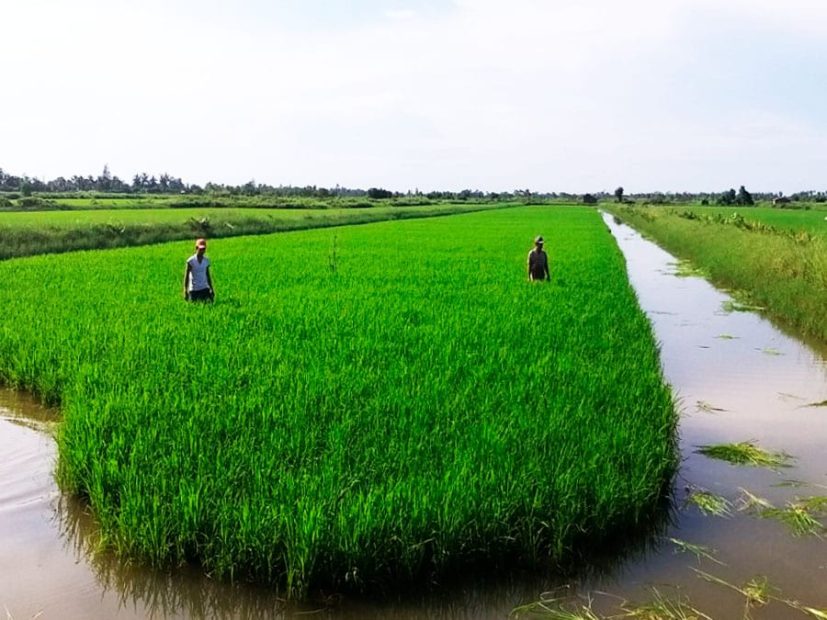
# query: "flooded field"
[738,379]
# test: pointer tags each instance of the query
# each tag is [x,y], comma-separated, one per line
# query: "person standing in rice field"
[197,280]
[537,262]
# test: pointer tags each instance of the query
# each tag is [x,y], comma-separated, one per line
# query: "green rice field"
[24,233]
[363,406]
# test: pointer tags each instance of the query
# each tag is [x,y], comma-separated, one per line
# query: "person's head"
[538,242]
[200,246]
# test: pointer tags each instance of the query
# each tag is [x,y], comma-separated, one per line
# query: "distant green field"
[362,406]
[41,232]
[812,220]
[39,220]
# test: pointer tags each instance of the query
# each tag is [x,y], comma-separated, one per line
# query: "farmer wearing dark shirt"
[538,262]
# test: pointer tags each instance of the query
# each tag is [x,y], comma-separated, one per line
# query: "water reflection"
[472,594]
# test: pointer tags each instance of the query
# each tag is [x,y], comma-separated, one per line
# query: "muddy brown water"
[738,378]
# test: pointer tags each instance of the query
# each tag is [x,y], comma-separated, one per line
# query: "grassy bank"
[770,263]
[30,233]
[362,406]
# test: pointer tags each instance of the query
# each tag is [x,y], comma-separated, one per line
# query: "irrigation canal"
[738,379]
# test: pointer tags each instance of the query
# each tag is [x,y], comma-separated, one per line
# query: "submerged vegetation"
[419,408]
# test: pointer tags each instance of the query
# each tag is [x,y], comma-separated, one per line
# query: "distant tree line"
[143,183]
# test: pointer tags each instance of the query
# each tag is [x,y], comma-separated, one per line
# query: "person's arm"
[528,266]
[186,278]
[209,282]
[548,272]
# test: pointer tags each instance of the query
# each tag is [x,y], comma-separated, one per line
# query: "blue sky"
[563,95]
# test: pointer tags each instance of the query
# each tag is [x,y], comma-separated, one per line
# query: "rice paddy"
[363,407]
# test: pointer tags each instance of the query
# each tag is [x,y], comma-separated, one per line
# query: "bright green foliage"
[361,405]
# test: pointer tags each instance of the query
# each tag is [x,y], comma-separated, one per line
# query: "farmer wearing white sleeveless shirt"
[197,280]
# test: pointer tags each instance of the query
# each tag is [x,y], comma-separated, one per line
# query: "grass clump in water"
[757,592]
[685,269]
[745,453]
[662,607]
[801,515]
[699,551]
[797,517]
[737,306]
[709,503]
[555,606]
[702,405]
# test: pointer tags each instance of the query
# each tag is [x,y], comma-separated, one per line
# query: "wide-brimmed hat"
[201,243]
[538,239]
